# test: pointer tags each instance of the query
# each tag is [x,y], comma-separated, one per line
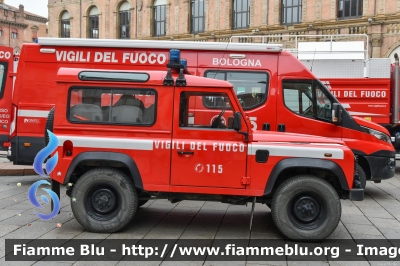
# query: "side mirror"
[336,113]
[237,121]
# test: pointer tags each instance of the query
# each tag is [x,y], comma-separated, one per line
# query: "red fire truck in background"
[367,87]
[276,90]
[6,90]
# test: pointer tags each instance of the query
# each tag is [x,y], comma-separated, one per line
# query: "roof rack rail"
[150,44]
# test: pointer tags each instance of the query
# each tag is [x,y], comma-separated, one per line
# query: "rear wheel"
[104,200]
[306,208]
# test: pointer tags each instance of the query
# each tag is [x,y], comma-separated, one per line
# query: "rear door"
[6,87]
[205,155]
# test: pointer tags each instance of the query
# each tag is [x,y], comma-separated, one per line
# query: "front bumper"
[356,194]
[381,167]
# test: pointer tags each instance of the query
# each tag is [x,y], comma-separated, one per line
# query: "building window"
[124,20]
[1,31]
[197,16]
[94,23]
[65,25]
[291,12]
[159,17]
[241,14]
[350,9]
[14,34]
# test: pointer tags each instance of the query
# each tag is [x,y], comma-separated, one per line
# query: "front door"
[305,107]
[205,155]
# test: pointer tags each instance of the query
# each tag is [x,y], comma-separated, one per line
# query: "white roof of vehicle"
[183,45]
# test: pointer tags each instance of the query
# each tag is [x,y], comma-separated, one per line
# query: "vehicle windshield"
[251,87]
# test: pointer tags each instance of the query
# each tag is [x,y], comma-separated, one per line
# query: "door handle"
[185,152]
[281,128]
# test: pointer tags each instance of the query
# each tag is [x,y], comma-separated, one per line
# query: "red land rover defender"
[125,137]
[275,89]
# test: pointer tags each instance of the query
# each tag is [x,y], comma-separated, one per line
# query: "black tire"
[362,175]
[306,208]
[117,194]
[49,126]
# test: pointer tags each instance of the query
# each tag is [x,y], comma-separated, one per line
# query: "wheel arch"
[104,159]
[364,164]
[283,170]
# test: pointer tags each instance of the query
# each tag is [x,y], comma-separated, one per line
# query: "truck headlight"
[377,134]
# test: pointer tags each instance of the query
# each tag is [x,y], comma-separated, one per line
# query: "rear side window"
[3,75]
[251,87]
[112,106]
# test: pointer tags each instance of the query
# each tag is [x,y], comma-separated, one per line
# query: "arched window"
[65,25]
[241,14]
[197,16]
[14,34]
[159,14]
[124,20]
[94,23]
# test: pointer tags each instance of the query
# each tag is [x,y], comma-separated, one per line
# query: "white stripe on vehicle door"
[33,113]
[108,143]
[296,151]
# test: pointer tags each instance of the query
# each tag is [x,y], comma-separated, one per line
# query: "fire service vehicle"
[126,136]
[367,87]
[275,90]
[7,74]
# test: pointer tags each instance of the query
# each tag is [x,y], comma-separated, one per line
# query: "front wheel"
[104,200]
[306,208]
[362,176]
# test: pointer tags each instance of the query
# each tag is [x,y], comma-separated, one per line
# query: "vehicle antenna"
[226,48]
[312,62]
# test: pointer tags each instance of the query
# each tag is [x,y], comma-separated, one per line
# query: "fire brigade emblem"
[199,168]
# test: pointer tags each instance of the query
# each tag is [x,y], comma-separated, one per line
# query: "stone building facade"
[219,20]
[18,26]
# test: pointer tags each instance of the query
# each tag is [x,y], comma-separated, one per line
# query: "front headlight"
[378,134]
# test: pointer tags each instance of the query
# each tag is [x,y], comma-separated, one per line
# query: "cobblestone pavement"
[377,217]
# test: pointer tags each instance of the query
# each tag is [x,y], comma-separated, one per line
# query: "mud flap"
[356,194]
[55,186]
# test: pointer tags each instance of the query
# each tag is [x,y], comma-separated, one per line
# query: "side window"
[3,76]
[324,104]
[299,97]
[191,116]
[251,87]
[112,106]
